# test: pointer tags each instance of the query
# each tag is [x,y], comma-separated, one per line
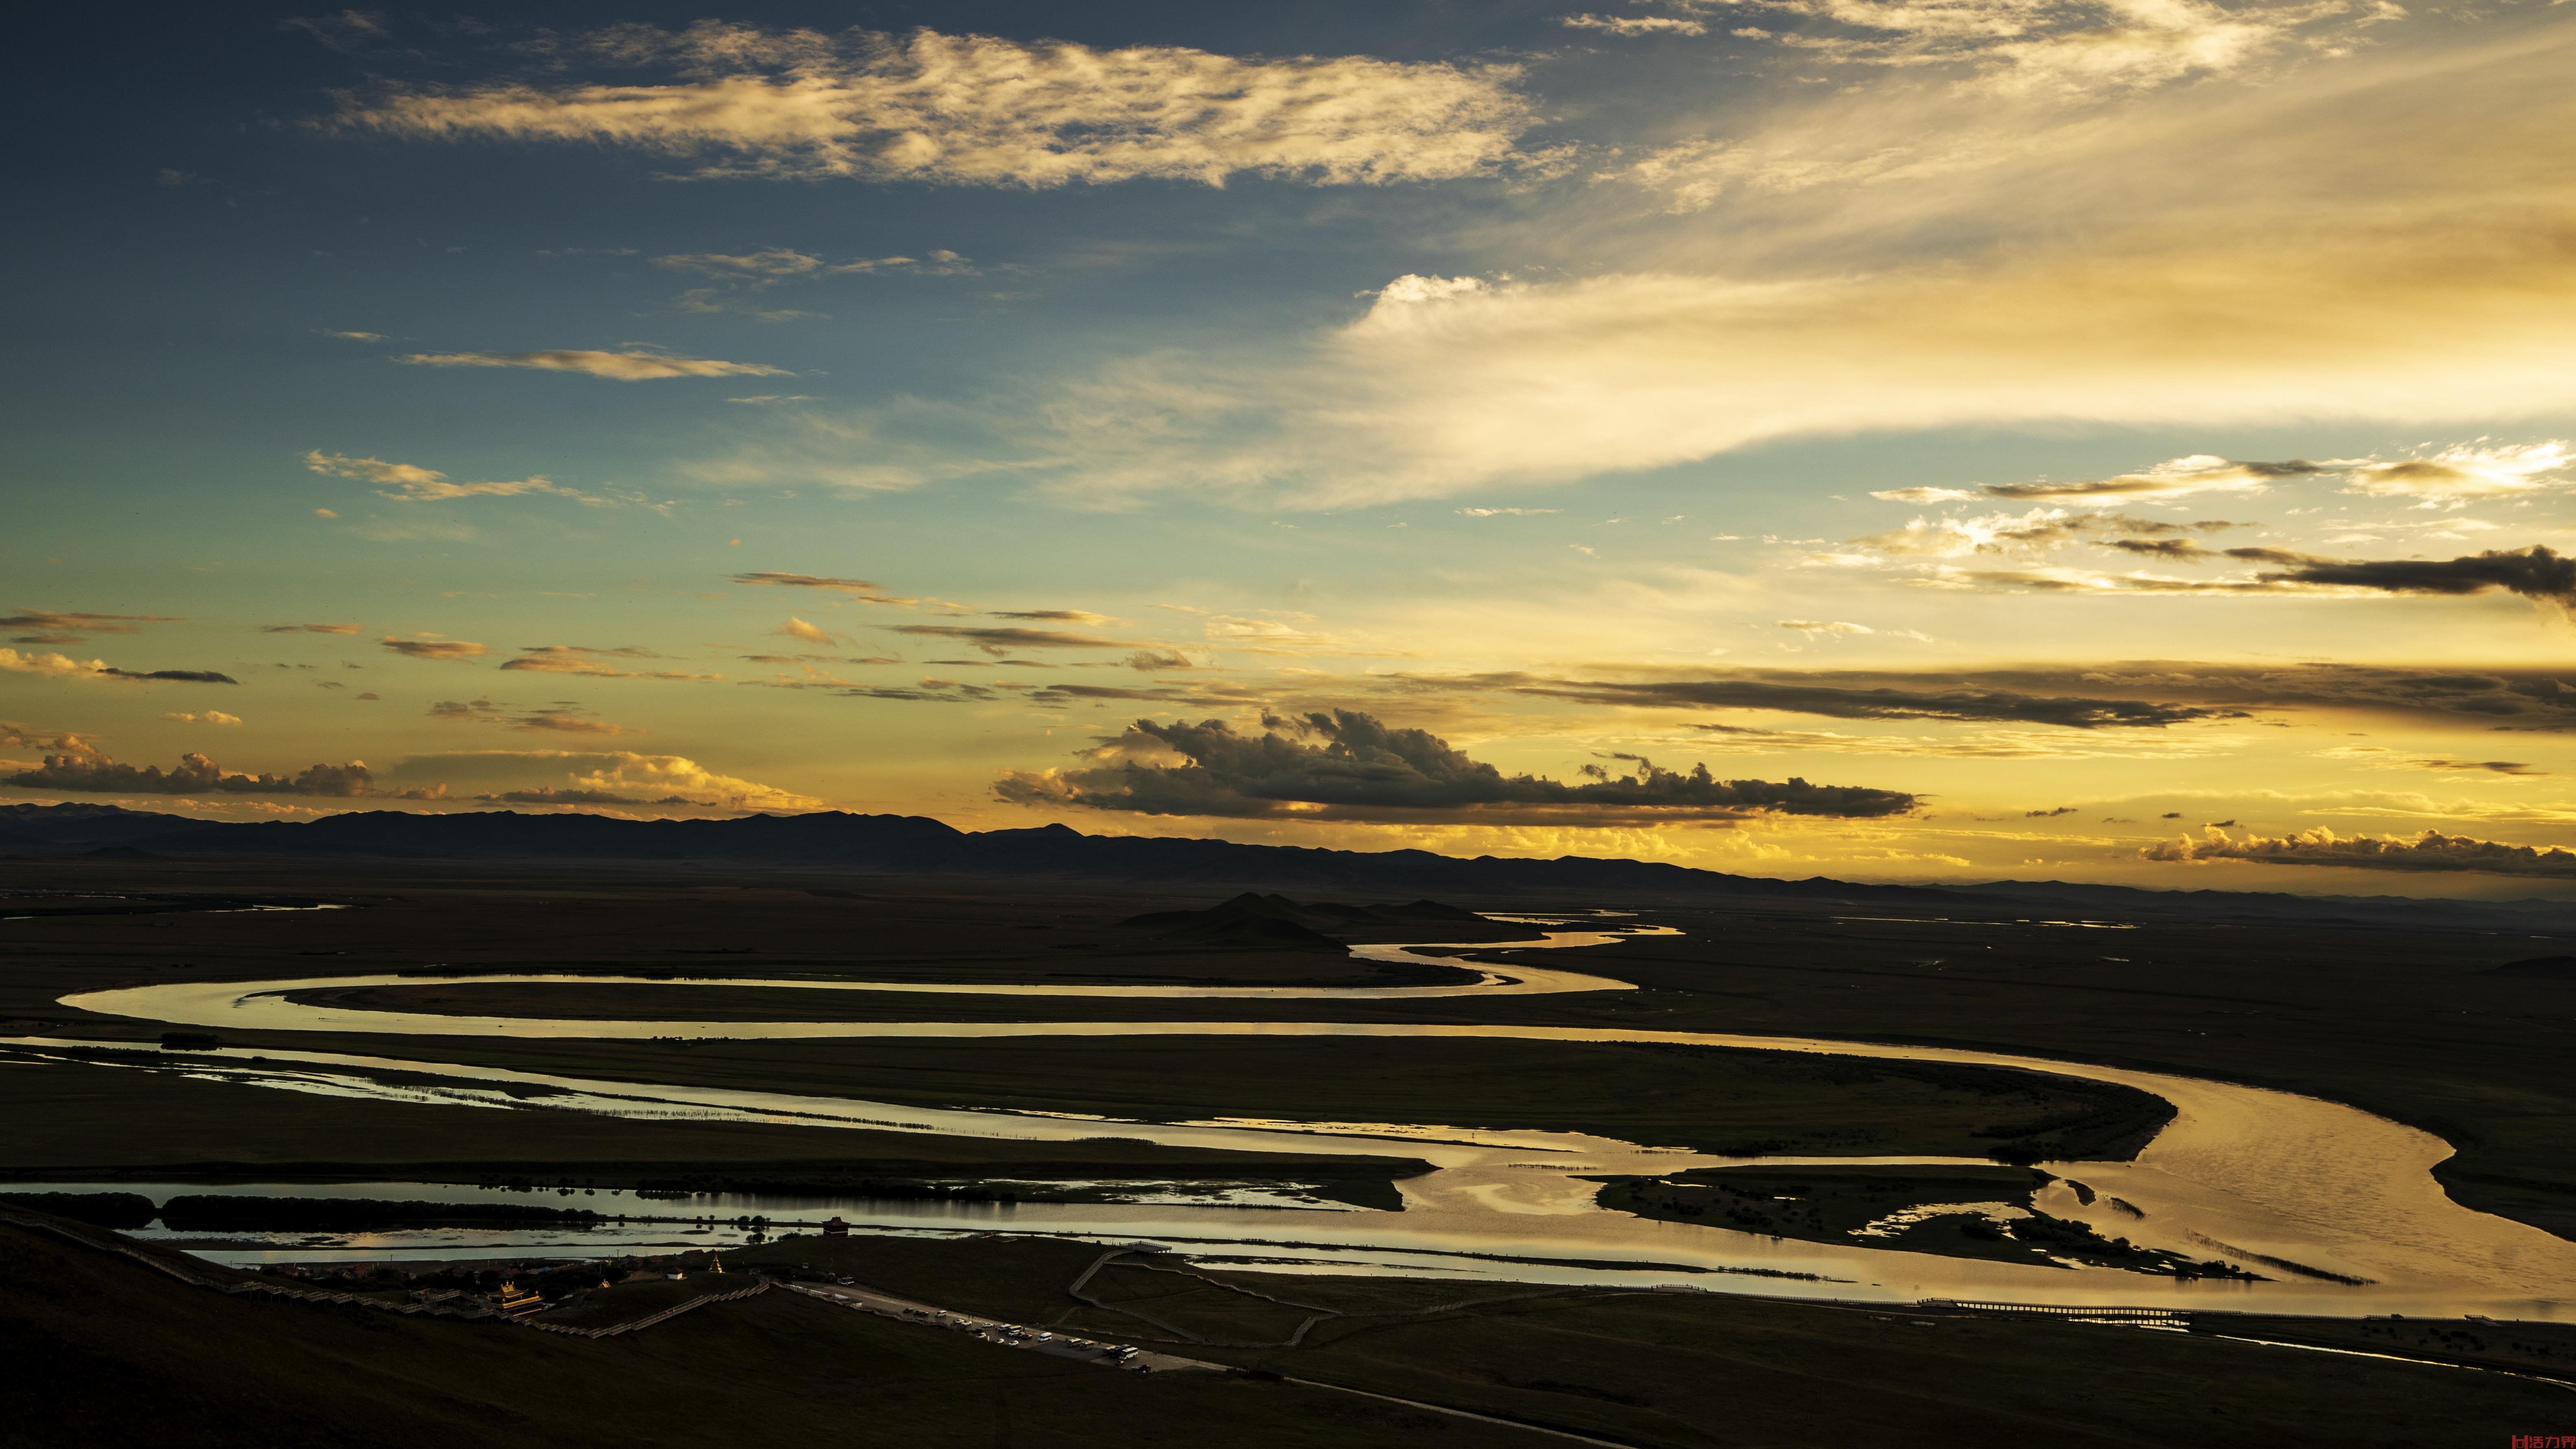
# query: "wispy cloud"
[2463,471]
[407,483]
[2037,529]
[2179,222]
[566,718]
[998,640]
[2536,573]
[1052,616]
[634,778]
[55,626]
[1635,24]
[859,589]
[595,663]
[618,366]
[977,110]
[438,649]
[2078,47]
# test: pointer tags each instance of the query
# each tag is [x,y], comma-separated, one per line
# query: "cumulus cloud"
[311,629]
[54,626]
[977,110]
[194,775]
[63,666]
[595,663]
[209,716]
[1345,765]
[18,736]
[443,649]
[618,366]
[2431,851]
[796,628]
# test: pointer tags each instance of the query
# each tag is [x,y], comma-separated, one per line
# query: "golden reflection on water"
[2337,1207]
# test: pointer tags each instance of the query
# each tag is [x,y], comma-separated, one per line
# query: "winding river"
[2335,1206]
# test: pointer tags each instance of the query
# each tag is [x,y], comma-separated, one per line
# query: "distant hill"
[1271,922]
[1278,923]
[2555,968]
[35,826]
[910,845]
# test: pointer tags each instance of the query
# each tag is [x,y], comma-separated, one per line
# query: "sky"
[1909,440]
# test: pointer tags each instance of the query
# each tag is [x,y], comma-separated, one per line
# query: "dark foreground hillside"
[103,1352]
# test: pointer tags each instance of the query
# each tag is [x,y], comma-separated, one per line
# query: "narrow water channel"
[2336,1206]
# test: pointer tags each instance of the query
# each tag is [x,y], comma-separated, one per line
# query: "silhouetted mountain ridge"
[911,845]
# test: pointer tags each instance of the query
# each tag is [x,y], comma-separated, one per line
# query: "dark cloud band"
[1351,766]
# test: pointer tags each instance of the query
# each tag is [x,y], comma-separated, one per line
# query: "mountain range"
[910,845]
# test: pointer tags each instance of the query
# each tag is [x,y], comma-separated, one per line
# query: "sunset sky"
[1890,439]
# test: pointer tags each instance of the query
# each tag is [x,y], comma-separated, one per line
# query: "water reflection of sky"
[2258,1176]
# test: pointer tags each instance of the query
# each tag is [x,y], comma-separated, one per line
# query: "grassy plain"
[132,1359]
[78,1121]
[129,1359]
[2411,1024]
[1839,1205]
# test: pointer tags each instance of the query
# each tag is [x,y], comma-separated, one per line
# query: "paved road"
[994,1330]
[1016,1335]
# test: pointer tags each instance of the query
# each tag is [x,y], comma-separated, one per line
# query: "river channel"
[2336,1207]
